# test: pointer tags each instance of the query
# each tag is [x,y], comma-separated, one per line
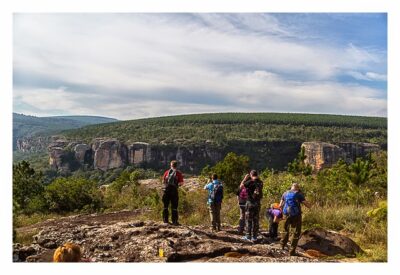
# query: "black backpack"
[217,193]
[171,180]
[257,194]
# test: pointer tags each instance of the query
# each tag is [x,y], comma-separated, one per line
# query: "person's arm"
[306,203]
[303,200]
[244,180]
[180,179]
[164,178]
[282,202]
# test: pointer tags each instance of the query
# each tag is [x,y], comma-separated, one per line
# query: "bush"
[27,186]
[230,170]
[72,194]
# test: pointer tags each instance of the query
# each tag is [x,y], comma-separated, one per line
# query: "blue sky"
[142,65]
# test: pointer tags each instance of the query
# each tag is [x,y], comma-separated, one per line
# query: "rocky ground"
[120,237]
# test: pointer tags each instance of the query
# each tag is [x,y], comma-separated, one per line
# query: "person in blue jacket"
[291,204]
[214,201]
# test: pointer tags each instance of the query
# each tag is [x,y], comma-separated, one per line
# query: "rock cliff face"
[354,150]
[29,144]
[105,153]
[110,154]
[322,155]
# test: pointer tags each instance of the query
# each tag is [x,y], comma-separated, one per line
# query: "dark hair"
[174,163]
[214,176]
[253,173]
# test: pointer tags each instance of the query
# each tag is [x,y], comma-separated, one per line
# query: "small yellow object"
[161,252]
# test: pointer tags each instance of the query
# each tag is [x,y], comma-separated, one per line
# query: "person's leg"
[249,220]
[270,223]
[285,235]
[242,220]
[212,216]
[166,200]
[296,235]
[256,220]
[218,216]
[174,205]
[274,230]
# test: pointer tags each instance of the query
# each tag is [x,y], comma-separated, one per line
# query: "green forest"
[220,128]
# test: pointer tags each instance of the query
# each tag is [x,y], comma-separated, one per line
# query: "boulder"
[328,243]
[110,154]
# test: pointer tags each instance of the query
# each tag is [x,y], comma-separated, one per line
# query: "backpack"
[217,193]
[257,194]
[243,194]
[292,206]
[171,180]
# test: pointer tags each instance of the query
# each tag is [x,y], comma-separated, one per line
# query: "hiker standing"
[242,199]
[254,188]
[172,179]
[291,202]
[214,201]
[274,216]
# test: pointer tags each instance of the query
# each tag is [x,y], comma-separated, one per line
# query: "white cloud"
[368,76]
[241,60]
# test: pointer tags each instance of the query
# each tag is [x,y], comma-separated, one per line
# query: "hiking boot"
[254,239]
[246,238]
[292,253]
[176,224]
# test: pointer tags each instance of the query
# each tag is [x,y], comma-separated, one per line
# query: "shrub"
[27,185]
[72,194]
[230,170]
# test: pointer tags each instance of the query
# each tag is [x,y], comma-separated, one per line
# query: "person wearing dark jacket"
[172,179]
[254,187]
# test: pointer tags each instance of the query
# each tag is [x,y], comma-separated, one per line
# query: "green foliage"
[230,170]
[298,165]
[27,186]
[126,192]
[72,194]
[379,214]
[221,128]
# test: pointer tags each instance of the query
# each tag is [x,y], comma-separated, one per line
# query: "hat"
[275,205]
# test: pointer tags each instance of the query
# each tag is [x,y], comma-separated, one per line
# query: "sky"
[129,66]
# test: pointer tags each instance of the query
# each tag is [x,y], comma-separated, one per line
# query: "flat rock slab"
[142,241]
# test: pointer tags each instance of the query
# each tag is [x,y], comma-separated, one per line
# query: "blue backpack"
[217,193]
[292,205]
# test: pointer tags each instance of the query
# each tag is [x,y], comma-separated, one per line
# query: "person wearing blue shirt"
[291,204]
[214,201]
